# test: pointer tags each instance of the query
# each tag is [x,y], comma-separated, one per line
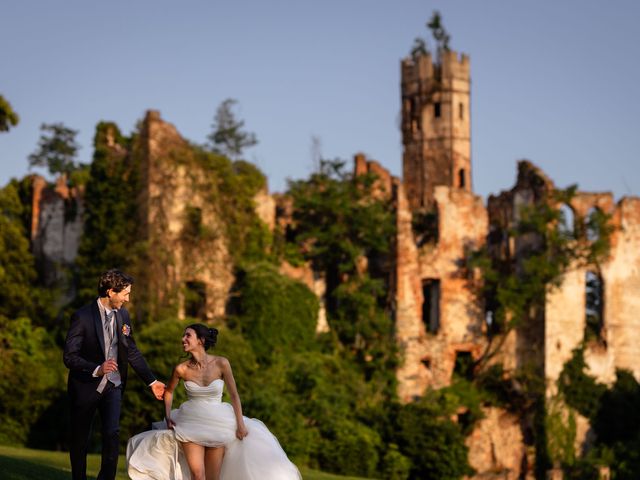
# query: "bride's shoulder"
[220,361]
[181,368]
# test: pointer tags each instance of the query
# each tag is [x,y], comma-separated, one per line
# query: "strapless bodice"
[211,392]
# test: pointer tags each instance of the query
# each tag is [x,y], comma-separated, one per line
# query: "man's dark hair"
[113,280]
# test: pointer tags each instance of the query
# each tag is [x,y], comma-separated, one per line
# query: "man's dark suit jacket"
[84,350]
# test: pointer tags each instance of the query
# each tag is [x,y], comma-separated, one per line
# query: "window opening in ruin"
[592,224]
[594,306]
[566,224]
[465,419]
[488,320]
[463,366]
[192,228]
[461,110]
[436,110]
[431,304]
[426,362]
[195,300]
[289,233]
[461,178]
[425,226]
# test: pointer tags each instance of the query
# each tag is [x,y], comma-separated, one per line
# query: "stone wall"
[429,356]
[620,273]
[496,446]
[173,186]
[56,228]
[562,324]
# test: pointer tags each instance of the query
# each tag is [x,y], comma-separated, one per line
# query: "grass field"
[27,464]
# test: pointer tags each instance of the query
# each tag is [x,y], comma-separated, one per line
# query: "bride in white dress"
[206,439]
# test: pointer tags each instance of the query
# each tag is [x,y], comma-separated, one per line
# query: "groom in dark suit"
[98,348]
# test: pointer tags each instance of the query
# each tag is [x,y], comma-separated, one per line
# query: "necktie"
[114,377]
[109,325]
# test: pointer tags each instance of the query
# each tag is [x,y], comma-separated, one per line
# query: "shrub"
[349,448]
[276,314]
[32,372]
[433,443]
[394,465]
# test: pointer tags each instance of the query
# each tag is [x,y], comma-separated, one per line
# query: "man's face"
[117,299]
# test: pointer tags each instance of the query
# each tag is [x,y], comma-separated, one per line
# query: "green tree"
[8,117]
[111,212]
[276,314]
[340,223]
[337,221]
[228,137]
[434,444]
[57,149]
[614,417]
[32,372]
[439,34]
[17,264]
[579,389]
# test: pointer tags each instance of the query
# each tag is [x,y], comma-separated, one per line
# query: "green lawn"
[28,464]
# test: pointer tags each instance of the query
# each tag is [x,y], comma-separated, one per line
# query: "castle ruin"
[441,323]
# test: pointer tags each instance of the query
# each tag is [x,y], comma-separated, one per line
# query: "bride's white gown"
[206,420]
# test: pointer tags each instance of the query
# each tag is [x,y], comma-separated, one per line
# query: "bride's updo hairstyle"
[209,335]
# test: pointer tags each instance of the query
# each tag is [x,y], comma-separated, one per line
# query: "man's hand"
[107,367]
[158,389]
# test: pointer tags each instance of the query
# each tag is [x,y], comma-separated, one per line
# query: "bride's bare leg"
[195,458]
[213,462]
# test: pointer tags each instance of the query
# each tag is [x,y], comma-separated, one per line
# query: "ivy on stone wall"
[230,187]
[614,415]
[110,237]
[514,287]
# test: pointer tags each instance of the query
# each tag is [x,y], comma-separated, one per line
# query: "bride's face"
[190,340]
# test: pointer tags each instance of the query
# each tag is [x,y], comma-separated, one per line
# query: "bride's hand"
[241,432]
[170,424]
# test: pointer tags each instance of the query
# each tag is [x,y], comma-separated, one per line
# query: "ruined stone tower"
[435,126]
[439,319]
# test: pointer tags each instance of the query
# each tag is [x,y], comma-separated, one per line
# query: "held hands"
[170,424]
[241,432]
[107,367]
[158,389]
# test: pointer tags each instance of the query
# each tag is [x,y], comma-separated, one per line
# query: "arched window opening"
[593,223]
[566,224]
[594,306]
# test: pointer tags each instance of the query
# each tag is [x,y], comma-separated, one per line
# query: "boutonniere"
[126,330]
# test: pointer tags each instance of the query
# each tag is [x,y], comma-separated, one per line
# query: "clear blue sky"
[556,82]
